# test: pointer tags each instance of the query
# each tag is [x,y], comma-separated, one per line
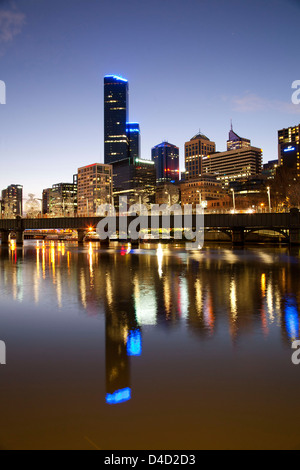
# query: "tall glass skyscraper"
[115,118]
[133,135]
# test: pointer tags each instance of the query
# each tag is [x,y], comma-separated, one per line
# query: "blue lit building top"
[133,135]
[132,127]
[116,77]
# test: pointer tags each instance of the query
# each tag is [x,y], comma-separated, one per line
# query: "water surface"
[148,349]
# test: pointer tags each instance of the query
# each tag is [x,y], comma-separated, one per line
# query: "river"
[154,348]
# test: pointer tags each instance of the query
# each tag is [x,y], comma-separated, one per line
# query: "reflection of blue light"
[291,318]
[290,149]
[119,396]
[134,343]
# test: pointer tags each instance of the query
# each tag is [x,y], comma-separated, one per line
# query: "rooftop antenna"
[231,124]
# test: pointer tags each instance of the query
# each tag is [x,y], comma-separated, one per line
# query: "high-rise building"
[289,148]
[166,159]
[12,201]
[46,200]
[115,118]
[195,150]
[133,136]
[134,178]
[270,169]
[94,187]
[233,165]
[61,199]
[236,142]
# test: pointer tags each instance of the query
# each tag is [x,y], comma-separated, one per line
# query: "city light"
[119,396]
[134,343]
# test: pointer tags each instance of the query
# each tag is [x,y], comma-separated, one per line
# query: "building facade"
[12,201]
[115,118]
[235,142]
[94,187]
[46,200]
[133,136]
[289,148]
[195,150]
[135,179]
[233,165]
[200,190]
[61,199]
[166,159]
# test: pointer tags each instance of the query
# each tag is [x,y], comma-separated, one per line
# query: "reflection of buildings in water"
[122,336]
[145,302]
[290,319]
[240,290]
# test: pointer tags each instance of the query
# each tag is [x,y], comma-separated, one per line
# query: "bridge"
[235,225]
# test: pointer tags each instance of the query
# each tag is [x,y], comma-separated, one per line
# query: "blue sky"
[191,64]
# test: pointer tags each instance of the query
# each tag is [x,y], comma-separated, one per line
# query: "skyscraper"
[289,148]
[94,188]
[195,150]
[12,201]
[133,136]
[115,118]
[233,165]
[166,159]
[236,142]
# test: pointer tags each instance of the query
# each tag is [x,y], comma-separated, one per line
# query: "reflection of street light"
[233,198]
[269,197]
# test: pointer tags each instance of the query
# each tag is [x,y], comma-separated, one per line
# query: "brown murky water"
[148,349]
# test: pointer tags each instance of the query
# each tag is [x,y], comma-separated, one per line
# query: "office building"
[115,118]
[269,169]
[200,190]
[133,136]
[233,165]
[94,188]
[289,148]
[166,159]
[136,179]
[46,200]
[195,150]
[61,199]
[235,142]
[12,201]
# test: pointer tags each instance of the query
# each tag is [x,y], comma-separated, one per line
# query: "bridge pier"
[5,237]
[81,235]
[135,243]
[294,236]
[105,243]
[19,237]
[294,227]
[238,236]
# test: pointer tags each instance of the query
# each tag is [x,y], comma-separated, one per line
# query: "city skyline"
[53,67]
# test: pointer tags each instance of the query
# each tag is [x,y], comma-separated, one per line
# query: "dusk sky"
[191,64]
